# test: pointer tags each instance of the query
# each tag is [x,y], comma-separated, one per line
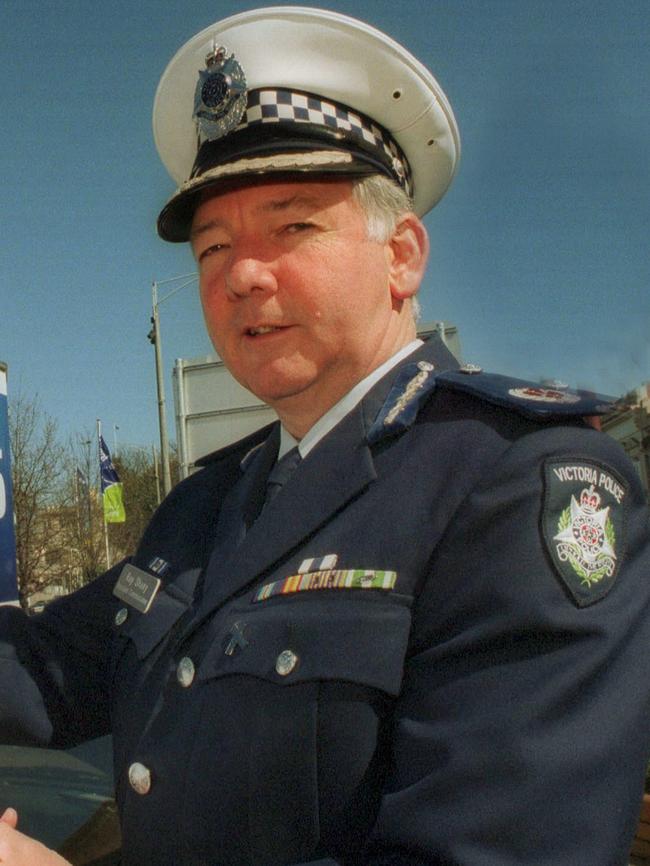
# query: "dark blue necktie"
[280,474]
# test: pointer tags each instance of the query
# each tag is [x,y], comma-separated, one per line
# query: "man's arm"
[55,668]
[521,732]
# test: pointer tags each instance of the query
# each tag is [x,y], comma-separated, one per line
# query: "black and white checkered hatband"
[315,121]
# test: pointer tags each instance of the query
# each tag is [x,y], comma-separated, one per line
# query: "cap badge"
[220,96]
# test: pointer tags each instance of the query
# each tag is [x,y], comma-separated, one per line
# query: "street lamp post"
[155,337]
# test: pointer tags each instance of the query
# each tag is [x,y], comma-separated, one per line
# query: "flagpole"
[160,385]
[108,550]
[156,473]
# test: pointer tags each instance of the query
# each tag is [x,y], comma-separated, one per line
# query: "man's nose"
[249,273]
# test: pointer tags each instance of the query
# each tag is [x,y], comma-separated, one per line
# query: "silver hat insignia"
[220,96]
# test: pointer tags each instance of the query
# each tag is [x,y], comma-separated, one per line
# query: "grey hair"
[383,204]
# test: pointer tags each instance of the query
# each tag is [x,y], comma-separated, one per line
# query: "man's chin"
[276,378]
[278,394]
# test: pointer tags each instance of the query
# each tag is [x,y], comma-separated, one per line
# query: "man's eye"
[211,250]
[295,228]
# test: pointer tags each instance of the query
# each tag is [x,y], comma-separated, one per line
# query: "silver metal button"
[140,778]
[286,662]
[185,672]
[121,616]
[470,369]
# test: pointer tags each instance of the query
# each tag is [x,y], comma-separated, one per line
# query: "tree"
[84,518]
[137,473]
[58,505]
[38,474]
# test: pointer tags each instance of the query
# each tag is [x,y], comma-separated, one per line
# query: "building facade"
[629,424]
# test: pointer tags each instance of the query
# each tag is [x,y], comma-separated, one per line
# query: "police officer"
[404,625]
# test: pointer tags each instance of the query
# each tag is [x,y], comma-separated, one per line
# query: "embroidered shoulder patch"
[582,523]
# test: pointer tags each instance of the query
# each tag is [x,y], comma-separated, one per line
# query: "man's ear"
[408,253]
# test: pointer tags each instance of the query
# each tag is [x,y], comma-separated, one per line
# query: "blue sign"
[8,586]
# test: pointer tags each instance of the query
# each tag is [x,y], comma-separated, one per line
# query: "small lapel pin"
[316,564]
[237,638]
[159,566]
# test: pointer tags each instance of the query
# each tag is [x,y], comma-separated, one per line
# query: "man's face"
[296,299]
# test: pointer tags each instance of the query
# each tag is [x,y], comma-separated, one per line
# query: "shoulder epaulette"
[527,398]
[417,382]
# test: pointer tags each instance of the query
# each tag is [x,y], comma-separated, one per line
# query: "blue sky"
[539,250]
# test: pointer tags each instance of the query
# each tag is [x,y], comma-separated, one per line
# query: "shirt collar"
[345,405]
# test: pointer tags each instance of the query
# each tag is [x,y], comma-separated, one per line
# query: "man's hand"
[19,850]
[10,816]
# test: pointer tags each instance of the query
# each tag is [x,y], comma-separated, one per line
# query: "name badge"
[136,587]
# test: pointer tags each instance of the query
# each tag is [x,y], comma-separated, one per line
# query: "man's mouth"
[262,329]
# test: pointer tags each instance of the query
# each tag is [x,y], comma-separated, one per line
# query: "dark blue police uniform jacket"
[471,698]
